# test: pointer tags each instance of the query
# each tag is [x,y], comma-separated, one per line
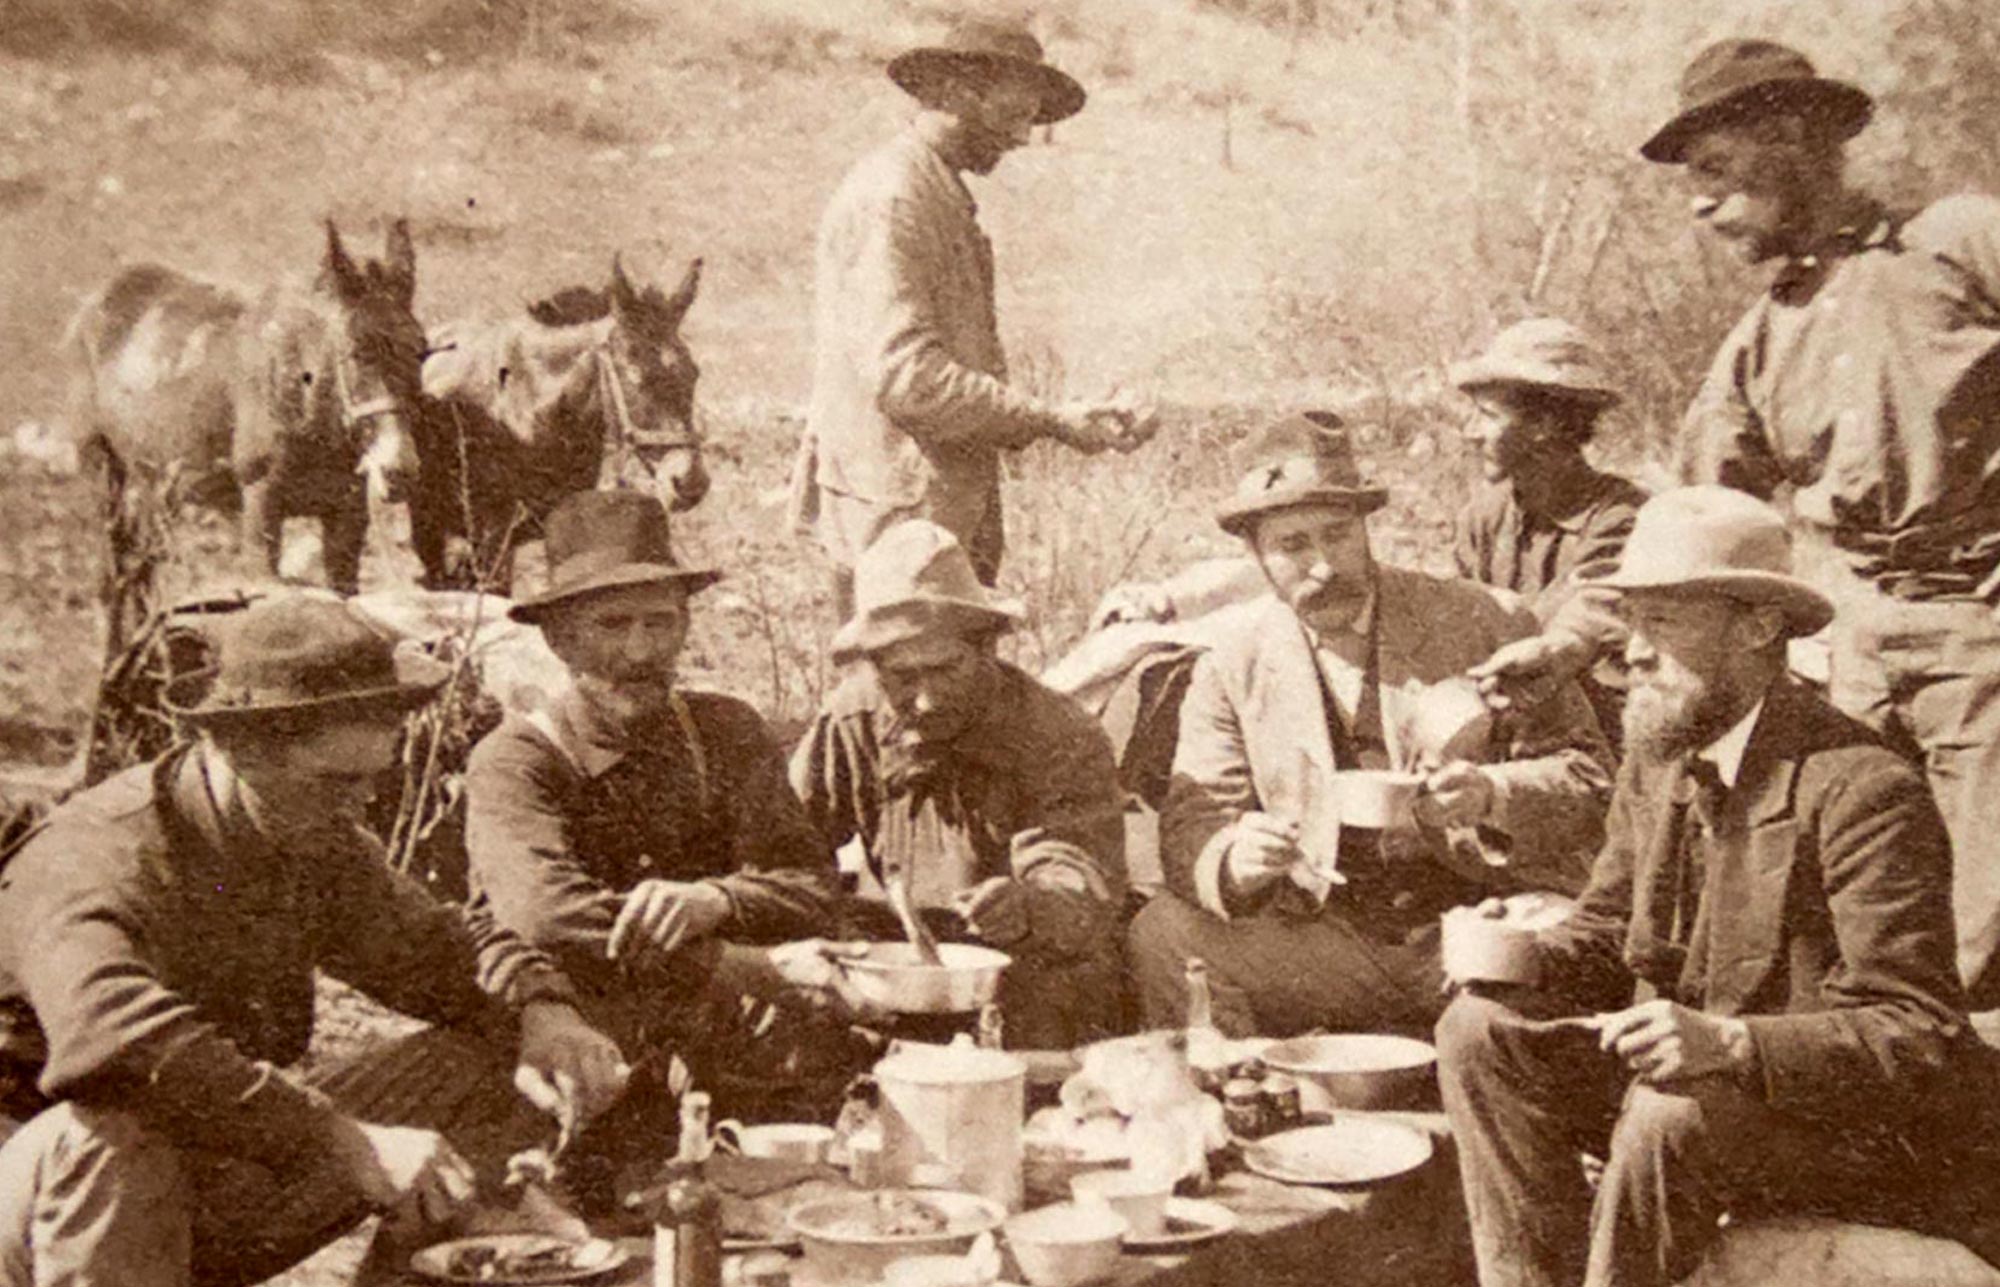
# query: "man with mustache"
[911,407]
[642,834]
[160,935]
[1865,380]
[993,797]
[1776,882]
[1304,920]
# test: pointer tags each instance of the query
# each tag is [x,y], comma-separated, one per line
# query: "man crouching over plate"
[159,936]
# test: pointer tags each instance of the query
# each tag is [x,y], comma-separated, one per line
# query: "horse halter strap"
[351,412]
[631,439]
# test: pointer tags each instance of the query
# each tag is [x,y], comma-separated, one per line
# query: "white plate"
[1198,1222]
[1355,1148]
[435,1262]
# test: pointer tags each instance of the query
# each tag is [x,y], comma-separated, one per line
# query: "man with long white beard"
[1308,913]
[1777,884]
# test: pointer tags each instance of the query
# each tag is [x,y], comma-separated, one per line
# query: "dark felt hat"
[1306,459]
[1734,80]
[979,50]
[607,541]
[304,655]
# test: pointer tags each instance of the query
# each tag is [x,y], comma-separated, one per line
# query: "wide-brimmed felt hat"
[978,50]
[302,655]
[912,580]
[606,541]
[1305,459]
[1722,541]
[1547,354]
[1732,80]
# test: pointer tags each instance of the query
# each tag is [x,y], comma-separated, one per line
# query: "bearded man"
[641,834]
[1776,882]
[911,406]
[1865,381]
[1308,912]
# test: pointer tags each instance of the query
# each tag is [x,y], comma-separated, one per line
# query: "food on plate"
[525,1258]
[892,1215]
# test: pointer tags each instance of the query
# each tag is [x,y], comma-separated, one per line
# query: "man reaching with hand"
[1778,884]
[159,936]
[641,834]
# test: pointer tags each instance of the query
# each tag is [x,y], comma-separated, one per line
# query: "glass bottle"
[1207,1048]
[687,1225]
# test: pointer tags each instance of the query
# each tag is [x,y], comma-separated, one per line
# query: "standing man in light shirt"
[911,406]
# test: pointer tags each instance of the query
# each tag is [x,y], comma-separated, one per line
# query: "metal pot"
[952,1117]
[891,977]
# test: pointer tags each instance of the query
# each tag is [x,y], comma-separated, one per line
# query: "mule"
[291,402]
[591,388]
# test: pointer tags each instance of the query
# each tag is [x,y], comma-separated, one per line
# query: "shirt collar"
[1726,752]
[1869,227]
[925,131]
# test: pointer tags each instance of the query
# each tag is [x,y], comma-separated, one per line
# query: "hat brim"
[1235,516]
[532,611]
[919,72]
[1806,609]
[900,622]
[419,678]
[1849,106]
[1480,374]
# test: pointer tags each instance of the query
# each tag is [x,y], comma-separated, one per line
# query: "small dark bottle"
[687,1223]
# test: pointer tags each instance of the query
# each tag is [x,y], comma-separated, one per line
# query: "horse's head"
[378,351]
[645,384]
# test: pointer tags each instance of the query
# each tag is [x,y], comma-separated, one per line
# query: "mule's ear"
[683,297]
[624,296]
[339,269]
[399,255]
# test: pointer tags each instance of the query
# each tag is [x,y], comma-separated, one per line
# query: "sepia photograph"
[1000,643]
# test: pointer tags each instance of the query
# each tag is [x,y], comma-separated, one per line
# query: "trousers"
[92,1196]
[1275,976]
[1527,1097]
[1926,673]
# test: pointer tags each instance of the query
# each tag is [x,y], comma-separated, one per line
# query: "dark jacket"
[157,953]
[1826,914]
[562,820]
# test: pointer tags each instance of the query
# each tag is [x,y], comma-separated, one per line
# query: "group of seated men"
[1757,1002]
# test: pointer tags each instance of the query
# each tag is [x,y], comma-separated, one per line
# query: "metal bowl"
[889,976]
[1357,1070]
[840,1254]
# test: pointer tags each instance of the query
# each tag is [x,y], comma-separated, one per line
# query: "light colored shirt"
[1726,752]
[1343,660]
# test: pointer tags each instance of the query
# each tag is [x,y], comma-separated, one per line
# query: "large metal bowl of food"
[1359,1070]
[853,1238]
[892,977]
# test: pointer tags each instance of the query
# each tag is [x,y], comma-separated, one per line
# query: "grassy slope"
[1342,249]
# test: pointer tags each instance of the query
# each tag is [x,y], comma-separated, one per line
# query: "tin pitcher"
[951,1118]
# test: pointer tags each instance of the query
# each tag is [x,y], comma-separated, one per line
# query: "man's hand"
[661,916]
[1663,1042]
[1457,795]
[1263,849]
[1135,601]
[1527,672]
[567,1068]
[996,910]
[404,1167]
[1118,423]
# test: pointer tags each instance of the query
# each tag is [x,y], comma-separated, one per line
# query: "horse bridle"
[352,414]
[631,439]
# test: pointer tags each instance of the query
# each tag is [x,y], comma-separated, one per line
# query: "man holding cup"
[1308,878]
[1777,883]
